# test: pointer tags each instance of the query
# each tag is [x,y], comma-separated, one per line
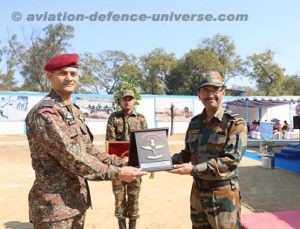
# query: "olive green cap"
[128,93]
[212,78]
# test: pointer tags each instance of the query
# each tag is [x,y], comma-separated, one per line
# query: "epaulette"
[140,115]
[196,117]
[235,117]
[118,113]
[231,114]
[47,103]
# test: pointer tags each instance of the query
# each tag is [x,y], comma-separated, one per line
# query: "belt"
[205,185]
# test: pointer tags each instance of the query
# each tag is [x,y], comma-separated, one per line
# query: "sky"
[271,24]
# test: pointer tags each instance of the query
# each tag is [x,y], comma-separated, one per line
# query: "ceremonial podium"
[149,150]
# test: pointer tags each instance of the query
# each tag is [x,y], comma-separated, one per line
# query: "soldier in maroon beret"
[62,60]
[63,155]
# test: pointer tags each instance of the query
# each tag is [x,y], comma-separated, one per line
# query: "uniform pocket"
[73,132]
[192,141]
[226,199]
[217,139]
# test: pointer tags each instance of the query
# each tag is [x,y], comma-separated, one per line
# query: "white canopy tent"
[263,107]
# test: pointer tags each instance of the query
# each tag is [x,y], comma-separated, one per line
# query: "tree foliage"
[102,72]
[187,74]
[157,72]
[292,85]
[126,83]
[7,79]
[156,67]
[225,49]
[34,56]
[268,75]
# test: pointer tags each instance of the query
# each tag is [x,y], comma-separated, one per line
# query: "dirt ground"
[164,201]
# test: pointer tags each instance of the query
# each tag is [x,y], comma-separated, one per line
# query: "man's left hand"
[182,169]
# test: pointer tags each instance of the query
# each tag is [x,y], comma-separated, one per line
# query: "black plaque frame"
[149,150]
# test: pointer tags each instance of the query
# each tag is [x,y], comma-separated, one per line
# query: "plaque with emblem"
[149,150]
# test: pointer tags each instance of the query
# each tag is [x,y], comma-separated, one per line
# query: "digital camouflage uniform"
[63,158]
[215,149]
[118,129]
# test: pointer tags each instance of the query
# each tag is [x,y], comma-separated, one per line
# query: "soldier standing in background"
[118,129]
[62,153]
[215,142]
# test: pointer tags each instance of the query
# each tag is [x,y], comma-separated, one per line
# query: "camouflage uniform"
[215,149]
[118,129]
[63,158]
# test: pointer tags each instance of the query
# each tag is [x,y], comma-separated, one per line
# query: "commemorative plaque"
[149,150]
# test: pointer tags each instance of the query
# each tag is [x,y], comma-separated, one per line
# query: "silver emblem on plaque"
[152,147]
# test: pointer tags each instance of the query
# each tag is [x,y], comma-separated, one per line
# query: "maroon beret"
[61,61]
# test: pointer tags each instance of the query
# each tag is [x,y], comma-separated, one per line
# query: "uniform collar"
[218,115]
[57,98]
[134,113]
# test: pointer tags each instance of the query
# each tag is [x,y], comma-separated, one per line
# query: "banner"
[181,109]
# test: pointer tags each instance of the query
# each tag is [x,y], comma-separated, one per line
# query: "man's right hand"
[129,173]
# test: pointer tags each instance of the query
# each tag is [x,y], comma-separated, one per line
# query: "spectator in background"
[277,127]
[254,126]
[285,126]
[119,125]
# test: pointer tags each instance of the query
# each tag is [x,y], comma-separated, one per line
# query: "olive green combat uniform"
[118,129]
[63,158]
[215,148]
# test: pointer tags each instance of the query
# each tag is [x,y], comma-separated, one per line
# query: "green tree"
[156,66]
[7,79]
[34,56]
[268,75]
[185,77]
[91,72]
[102,72]
[292,85]
[225,49]
[126,83]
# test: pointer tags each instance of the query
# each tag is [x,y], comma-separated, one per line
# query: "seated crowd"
[279,131]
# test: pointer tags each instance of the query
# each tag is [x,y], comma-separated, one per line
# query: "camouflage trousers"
[76,222]
[127,198]
[218,208]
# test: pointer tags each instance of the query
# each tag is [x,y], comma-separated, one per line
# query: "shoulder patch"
[47,110]
[239,121]
[47,106]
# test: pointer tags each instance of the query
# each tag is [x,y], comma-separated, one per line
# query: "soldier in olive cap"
[118,129]
[63,155]
[215,142]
